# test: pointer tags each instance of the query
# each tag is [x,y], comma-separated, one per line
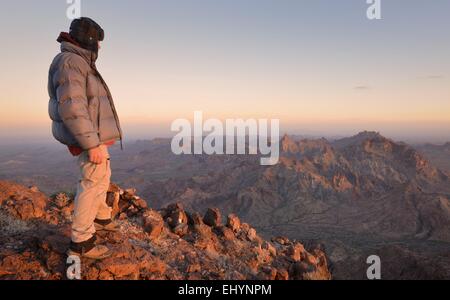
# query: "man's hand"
[96,156]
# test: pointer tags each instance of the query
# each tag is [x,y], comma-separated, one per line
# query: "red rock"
[34,189]
[234,223]
[312,259]
[193,268]
[282,275]
[153,224]
[213,217]
[299,269]
[269,273]
[176,218]
[113,200]
[296,252]
[245,228]
[181,230]
[205,252]
[281,240]
[269,247]
[153,265]
[195,219]
[139,203]
[121,268]
[174,207]
[105,275]
[132,211]
[225,232]
[203,230]
[124,205]
[128,194]
[251,234]
[23,268]
[195,276]
[22,202]
[91,273]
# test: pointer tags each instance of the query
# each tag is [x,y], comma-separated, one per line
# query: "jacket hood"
[89,56]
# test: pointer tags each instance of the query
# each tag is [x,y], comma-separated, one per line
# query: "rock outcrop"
[167,244]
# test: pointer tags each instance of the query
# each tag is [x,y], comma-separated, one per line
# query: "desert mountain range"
[351,198]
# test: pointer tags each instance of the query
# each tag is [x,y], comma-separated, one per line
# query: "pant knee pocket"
[93,172]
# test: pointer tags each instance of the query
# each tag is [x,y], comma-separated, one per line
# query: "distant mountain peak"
[288,144]
[369,135]
[360,139]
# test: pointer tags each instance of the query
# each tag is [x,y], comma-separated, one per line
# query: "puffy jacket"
[81,106]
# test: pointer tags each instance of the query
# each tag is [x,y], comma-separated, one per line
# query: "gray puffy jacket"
[81,106]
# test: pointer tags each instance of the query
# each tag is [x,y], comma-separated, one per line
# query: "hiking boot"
[96,253]
[88,249]
[106,225]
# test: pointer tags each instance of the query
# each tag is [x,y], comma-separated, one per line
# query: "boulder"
[282,274]
[176,218]
[129,194]
[139,203]
[181,229]
[299,269]
[268,273]
[251,234]
[112,200]
[213,217]
[195,219]
[269,247]
[153,223]
[172,208]
[296,252]
[281,240]
[233,222]
[225,232]
[27,208]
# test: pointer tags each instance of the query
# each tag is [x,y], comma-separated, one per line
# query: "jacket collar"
[88,55]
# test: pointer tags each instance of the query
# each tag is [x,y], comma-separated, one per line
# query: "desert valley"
[348,198]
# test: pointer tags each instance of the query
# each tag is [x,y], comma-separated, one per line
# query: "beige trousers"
[90,201]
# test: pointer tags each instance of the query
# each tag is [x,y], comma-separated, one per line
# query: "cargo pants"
[90,200]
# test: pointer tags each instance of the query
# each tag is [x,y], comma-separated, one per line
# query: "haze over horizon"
[321,67]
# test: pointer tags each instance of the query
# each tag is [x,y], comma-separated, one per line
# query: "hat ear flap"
[101,35]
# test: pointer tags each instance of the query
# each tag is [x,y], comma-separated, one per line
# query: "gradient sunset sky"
[320,66]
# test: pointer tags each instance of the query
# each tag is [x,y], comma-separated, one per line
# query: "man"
[84,118]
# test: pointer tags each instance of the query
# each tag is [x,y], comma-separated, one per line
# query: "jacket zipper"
[111,103]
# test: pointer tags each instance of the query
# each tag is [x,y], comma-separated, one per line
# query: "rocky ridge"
[170,243]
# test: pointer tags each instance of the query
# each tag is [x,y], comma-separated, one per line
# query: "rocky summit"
[170,243]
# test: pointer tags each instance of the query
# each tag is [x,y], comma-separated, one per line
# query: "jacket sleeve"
[70,83]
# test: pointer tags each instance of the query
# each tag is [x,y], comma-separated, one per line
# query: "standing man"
[85,119]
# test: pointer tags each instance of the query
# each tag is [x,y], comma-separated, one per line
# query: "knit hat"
[87,33]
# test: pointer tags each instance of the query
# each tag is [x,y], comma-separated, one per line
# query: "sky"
[320,66]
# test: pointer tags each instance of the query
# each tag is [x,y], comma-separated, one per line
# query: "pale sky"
[320,66]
